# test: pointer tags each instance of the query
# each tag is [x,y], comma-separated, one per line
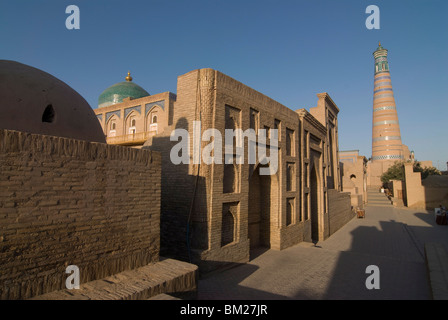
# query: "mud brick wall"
[339,213]
[71,202]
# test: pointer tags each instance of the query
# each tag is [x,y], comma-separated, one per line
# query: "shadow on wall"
[183,221]
[436,191]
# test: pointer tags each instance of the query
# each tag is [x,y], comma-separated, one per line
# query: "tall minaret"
[386,137]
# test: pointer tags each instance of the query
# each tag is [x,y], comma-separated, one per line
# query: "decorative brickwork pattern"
[213,214]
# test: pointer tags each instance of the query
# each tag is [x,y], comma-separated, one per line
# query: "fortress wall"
[71,202]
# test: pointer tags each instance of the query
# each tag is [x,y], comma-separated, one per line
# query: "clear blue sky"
[288,50]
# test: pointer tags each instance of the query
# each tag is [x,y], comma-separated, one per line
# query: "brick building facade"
[217,213]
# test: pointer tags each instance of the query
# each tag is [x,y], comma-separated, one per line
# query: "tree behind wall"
[396,171]
[426,171]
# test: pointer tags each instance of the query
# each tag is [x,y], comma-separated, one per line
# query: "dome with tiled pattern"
[119,91]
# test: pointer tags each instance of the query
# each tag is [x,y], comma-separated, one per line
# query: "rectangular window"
[290,176]
[232,118]
[254,120]
[305,175]
[231,177]
[232,122]
[324,175]
[315,140]
[277,126]
[306,137]
[290,142]
[267,131]
[325,202]
[290,212]
[305,206]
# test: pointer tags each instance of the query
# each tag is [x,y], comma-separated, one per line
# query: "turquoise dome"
[119,91]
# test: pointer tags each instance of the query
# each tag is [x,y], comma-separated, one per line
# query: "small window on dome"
[154,119]
[133,123]
[48,115]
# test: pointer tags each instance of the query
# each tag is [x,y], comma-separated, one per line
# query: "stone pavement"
[391,238]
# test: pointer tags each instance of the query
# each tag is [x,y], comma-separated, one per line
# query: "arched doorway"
[263,198]
[314,199]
